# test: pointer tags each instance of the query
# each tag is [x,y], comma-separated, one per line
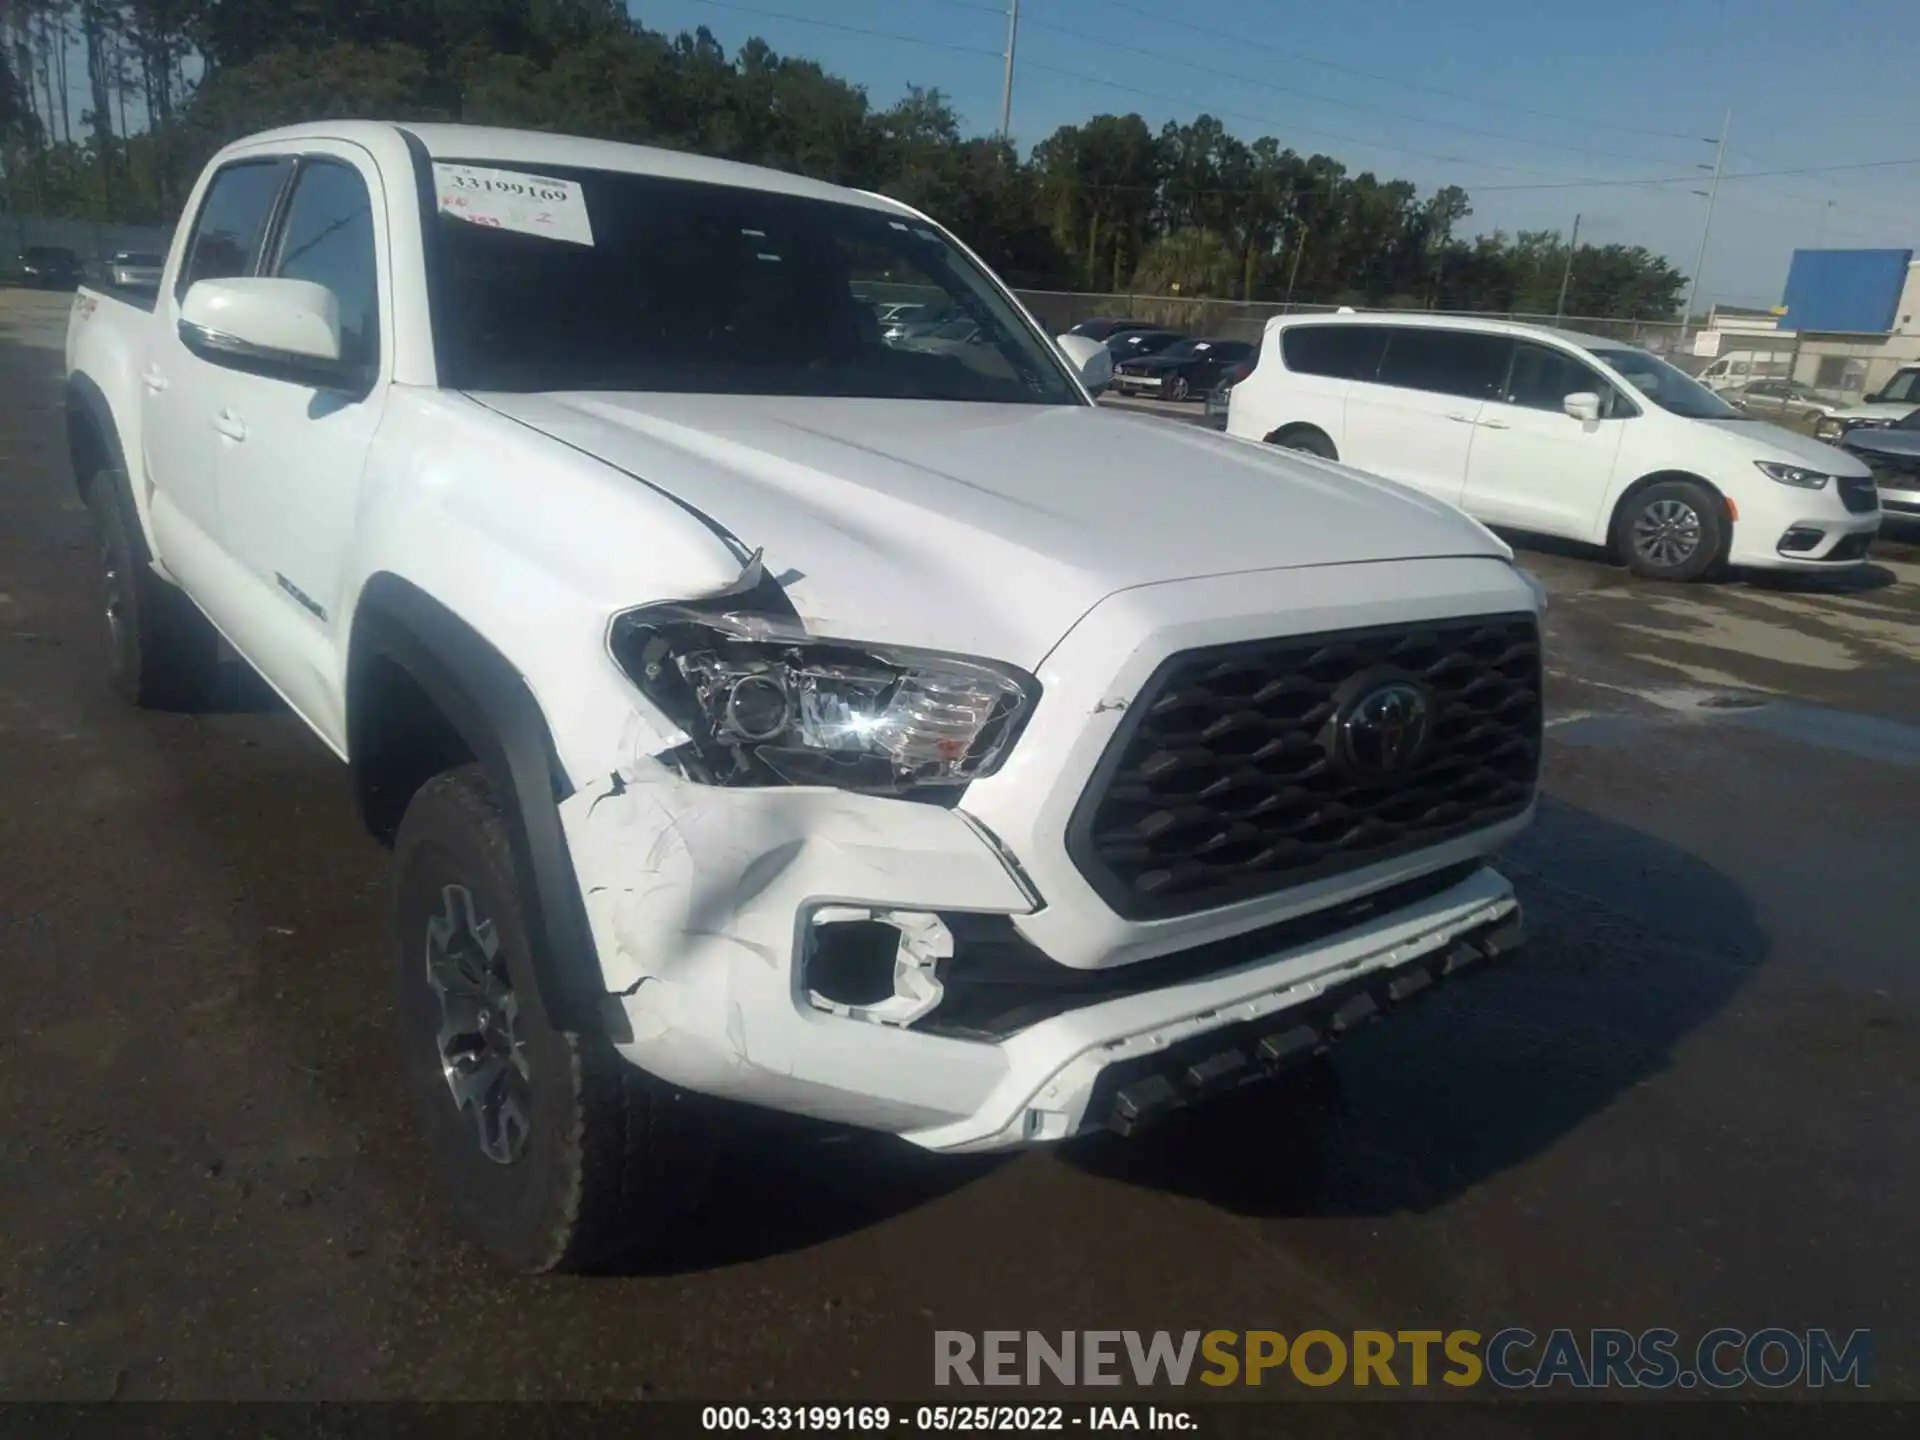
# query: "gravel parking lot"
[1691,1103]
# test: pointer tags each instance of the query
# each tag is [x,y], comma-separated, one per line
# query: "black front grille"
[1850,547]
[1226,782]
[1859,496]
[1896,470]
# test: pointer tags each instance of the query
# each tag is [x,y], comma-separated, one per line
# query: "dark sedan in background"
[1106,329]
[48,267]
[1892,452]
[1132,344]
[1184,369]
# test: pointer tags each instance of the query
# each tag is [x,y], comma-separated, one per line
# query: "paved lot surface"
[1692,1103]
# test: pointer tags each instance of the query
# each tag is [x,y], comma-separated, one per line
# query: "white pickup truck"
[760,711]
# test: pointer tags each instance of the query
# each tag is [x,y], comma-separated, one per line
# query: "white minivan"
[1558,433]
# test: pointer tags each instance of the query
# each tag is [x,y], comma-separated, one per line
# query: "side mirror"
[284,329]
[1090,359]
[1582,405]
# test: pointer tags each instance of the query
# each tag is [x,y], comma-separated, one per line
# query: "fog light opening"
[881,966]
[1800,539]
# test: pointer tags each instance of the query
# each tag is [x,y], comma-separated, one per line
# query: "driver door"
[291,456]
[1532,465]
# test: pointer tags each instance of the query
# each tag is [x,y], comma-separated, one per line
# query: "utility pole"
[1566,276]
[1299,249]
[1712,192]
[1006,90]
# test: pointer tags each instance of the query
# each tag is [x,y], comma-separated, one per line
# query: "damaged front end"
[777,923]
[750,872]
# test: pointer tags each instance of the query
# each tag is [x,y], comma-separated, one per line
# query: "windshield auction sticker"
[514,200]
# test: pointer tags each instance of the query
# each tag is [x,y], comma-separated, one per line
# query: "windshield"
[570,279]
[1672,390]
[1904,386]
[1185,349]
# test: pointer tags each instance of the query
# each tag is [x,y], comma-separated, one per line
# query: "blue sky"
[1480,93]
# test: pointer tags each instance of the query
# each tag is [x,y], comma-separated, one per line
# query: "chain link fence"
[92,241]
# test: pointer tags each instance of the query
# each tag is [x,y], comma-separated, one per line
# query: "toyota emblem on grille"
[1384,730]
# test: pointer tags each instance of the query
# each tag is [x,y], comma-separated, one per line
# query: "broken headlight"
[764,704]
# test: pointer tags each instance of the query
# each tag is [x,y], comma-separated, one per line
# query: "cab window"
[233,219]
[327,238]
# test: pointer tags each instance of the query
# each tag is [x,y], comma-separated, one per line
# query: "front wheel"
[1176,387]
[554,1153]
[1675,530]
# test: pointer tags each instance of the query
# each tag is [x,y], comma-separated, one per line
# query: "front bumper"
[1119,1064]
[1800,530]
[1903,503]
[706,903]
[715,928]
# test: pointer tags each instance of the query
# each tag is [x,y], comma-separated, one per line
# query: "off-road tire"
[613,1157]
[162,653]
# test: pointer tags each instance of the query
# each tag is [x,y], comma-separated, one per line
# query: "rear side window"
[1340,352]
[1446,362]
[233,217]
[328,239]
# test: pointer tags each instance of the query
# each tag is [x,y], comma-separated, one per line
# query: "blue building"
[1855,314]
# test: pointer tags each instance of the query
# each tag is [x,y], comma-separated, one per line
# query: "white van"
[1740,367]
[1561,434]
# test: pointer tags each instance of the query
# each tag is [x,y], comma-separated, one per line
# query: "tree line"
[1108,205]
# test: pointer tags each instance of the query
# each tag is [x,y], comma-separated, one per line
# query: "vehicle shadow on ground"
[1853,581]
[784,1184]
[1860,580]
[1633,945]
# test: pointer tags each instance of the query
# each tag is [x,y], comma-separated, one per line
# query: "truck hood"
[988,529]
[1886,441]
[1888,410]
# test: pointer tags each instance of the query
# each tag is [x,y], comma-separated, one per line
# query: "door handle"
[1492,425]
[230,425]
[153,379]
[1459,419]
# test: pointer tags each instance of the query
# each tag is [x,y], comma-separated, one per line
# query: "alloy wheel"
[483,1055]
[1667,533]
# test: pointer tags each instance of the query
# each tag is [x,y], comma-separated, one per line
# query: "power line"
[1282,126]
[1242,42]
[1809,219]
[1584,183]
[1823,169]
[1244,79]
[851,29]
[1602,184]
